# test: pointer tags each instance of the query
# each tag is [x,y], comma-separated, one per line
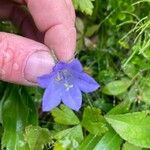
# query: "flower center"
[65,77]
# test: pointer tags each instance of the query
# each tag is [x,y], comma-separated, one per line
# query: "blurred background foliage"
[113,44]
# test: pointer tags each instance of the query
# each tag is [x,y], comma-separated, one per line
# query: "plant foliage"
[113,44]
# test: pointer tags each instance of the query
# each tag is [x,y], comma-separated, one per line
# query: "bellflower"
[64,84]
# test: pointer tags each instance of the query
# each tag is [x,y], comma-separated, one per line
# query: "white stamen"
[65,71]
[68,86]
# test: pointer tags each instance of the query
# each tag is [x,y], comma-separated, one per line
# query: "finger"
[24,21]
[68,2]
[22,60]
[19,1]
[56,19]
[70,6]
[21,18]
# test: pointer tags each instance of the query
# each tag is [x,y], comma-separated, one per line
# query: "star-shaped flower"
[64,84]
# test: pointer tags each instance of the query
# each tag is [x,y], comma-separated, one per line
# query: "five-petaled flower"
[65,83]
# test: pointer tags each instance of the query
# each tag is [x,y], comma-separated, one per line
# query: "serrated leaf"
[69,138]
[37,137]
[93,121]
[72,133]
[84,6]
[66,144]
[65,116]
[133,127]
[110,141]
[116,87]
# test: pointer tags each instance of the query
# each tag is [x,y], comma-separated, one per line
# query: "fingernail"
[39,63]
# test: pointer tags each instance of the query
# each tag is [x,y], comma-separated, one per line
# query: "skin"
[47,29]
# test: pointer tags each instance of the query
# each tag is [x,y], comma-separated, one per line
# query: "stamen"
[65,72]
[59,77]
[68,86]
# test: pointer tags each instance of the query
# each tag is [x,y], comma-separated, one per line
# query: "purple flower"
[65,83]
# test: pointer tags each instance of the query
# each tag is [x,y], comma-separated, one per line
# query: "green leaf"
[18,111]
[110,141]
[121,16]
[37,137]
[121,108]
[145,92]
[1,132]
[102,104]
[116,87]
[146,80]
[92,29]
[128,146]
[133,127]
[74,132]
[84,6]
[71,137]
[32,116]
[14,117]
[65,116]
[89,142]
[35,93]
[130,70]
[79,25]
[93,121]
[133,93]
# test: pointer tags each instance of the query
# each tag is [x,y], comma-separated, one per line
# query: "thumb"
[22,60]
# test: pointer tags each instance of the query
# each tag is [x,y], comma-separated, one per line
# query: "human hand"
[23,59]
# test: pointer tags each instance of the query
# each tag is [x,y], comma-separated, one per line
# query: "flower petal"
[76,65]
[86,83]
[72,98]
[44,80]
[51,97]
[59,66]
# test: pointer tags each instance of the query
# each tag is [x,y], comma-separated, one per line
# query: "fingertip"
[62,40]
[38,63]
[22,60]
